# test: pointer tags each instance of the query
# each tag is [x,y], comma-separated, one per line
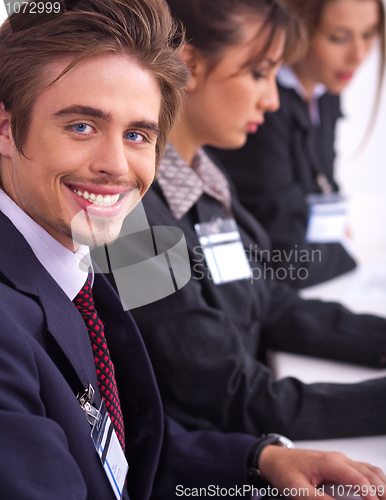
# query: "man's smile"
[98,199]
[103,201]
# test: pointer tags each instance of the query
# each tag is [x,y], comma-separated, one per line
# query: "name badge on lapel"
[105,441]
[223,250]
[327,218]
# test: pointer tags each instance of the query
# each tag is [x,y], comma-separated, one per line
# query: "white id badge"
[223,250]
[110,452]
[327,218]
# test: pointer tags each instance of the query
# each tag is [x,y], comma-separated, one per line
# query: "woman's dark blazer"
[203,341]
[274,172]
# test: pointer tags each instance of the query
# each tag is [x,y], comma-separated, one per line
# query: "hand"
[294,468]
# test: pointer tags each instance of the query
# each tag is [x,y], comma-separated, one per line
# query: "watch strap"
[255,452]
[258,447]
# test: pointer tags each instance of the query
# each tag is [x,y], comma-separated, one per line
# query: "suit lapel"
[152,205]
[300,112]
[21,267]
[67,326]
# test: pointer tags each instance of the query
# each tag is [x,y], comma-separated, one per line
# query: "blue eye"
[135,137]
[80,127]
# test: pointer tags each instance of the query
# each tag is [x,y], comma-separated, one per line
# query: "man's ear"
[6,141]
[196,64]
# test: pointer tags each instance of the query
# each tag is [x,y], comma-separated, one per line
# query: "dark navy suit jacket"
[46,451]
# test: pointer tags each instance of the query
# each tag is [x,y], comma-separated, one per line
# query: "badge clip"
[86,401]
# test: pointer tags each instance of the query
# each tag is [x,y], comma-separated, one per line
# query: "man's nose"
[112,157]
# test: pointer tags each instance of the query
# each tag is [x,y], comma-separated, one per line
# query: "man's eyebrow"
[147,125]
[84,110]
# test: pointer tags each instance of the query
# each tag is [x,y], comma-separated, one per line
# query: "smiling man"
[89,147]
[87,99]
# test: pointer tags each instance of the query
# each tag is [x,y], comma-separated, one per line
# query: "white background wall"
[3,14]
[362,176]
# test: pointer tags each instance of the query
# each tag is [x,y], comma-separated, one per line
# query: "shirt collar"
[69,270]
[289,79]
[182,185]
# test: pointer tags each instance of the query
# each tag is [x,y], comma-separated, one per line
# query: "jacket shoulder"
[19,308]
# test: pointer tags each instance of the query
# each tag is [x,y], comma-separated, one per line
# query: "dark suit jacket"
[203,342]
[46,451]
[274,172]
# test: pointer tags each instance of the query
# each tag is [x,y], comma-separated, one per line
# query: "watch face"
[282,441]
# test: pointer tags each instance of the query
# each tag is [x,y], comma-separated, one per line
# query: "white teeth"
[103,201]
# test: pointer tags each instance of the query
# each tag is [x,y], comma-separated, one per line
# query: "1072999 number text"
[33,7]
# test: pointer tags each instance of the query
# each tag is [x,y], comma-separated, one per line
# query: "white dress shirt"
[69,269]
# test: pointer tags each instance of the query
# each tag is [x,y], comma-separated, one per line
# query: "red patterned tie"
[84,302]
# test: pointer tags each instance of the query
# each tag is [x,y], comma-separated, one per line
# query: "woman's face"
[341,42]
[229,102]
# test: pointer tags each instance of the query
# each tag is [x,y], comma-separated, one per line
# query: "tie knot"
[84,301]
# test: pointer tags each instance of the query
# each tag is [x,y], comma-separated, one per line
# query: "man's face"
[90,149]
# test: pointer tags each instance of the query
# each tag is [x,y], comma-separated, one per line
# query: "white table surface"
[362,291]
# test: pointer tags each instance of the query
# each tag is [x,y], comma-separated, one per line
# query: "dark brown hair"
[141,28]
[214,25]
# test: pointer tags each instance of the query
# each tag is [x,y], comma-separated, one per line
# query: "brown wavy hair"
[141,28]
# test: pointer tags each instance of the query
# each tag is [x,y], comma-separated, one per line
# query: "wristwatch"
[281,440]
[257,448]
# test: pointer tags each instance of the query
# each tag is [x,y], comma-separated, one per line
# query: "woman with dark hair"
[284,174]
[205,339]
